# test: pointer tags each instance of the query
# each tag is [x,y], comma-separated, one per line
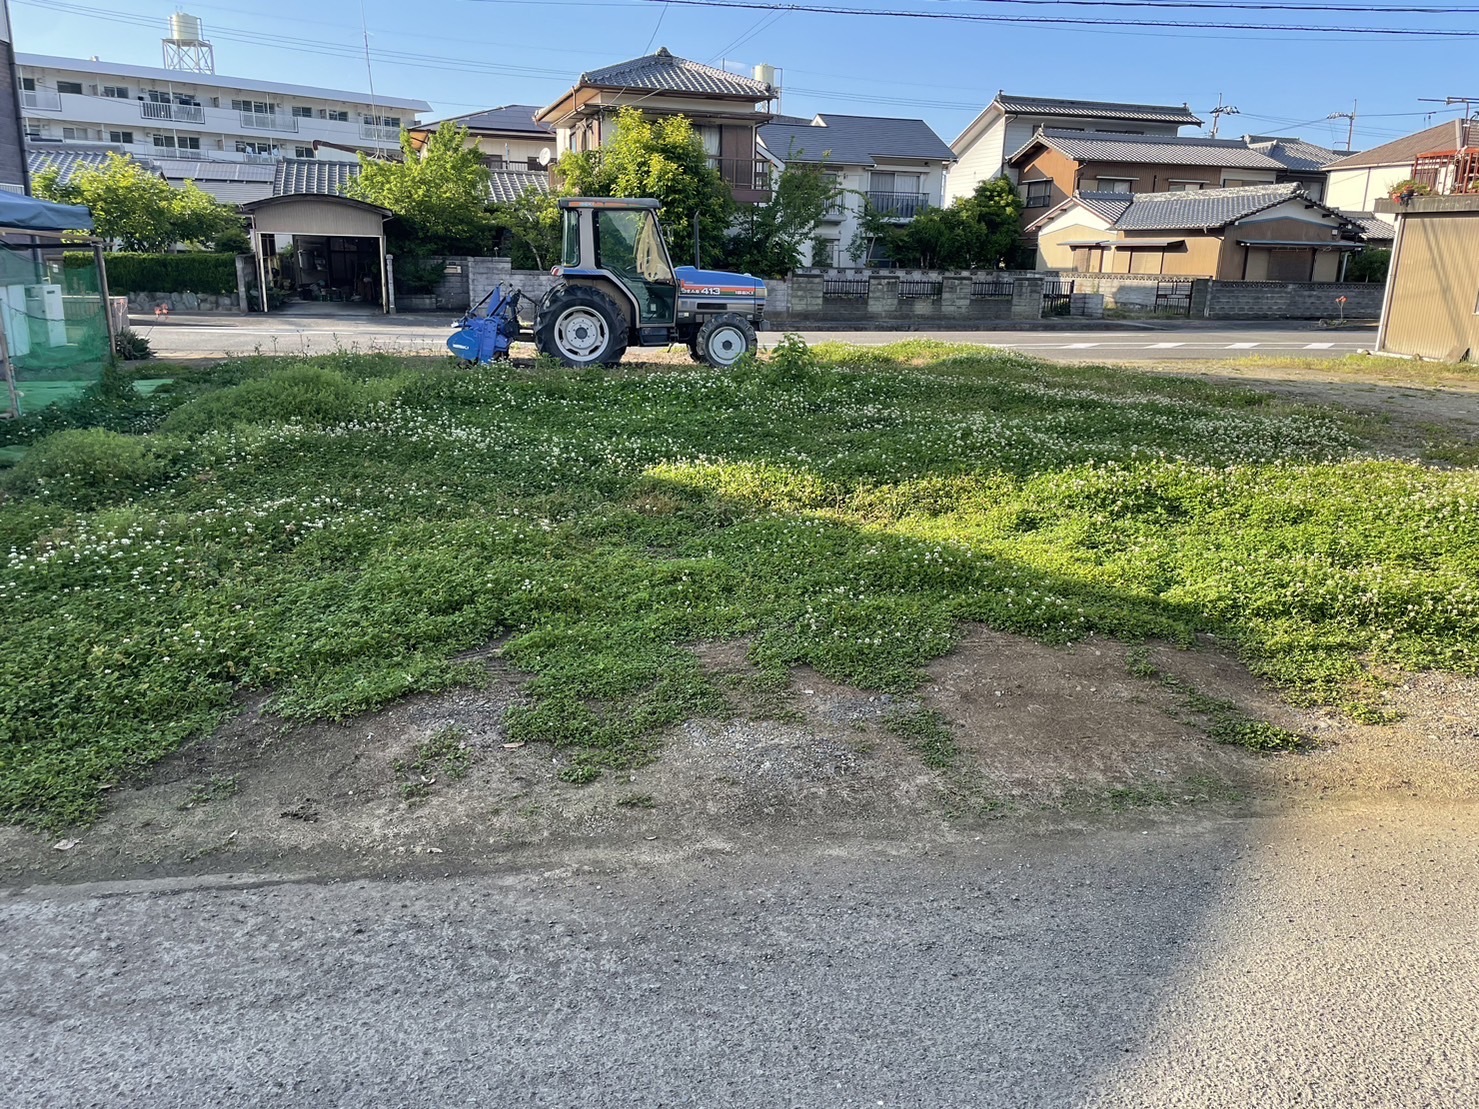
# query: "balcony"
[376,132]
[175,113]
[1448,172]
[42,100]
[902,206]
[748,178]
[269,121]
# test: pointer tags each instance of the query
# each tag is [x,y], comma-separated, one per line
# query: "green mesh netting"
[56,329]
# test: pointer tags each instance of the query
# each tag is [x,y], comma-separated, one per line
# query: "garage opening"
[320,255]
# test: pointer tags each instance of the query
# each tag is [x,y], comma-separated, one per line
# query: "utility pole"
[1350,133]
[1218,112]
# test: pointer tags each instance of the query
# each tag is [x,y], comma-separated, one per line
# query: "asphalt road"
[202,336]
[1326,959]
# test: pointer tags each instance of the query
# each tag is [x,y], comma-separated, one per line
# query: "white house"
[896,165]
[1008,122]
[1357,182]
[79,104]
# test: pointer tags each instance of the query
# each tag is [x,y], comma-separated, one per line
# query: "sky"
[464,55]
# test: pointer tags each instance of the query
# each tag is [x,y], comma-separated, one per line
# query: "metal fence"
[1173,297]
[846,288]
[916,289]
[1057,297]
[992,287]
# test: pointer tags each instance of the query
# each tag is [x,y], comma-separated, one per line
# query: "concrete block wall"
[803,297]
[1280,300]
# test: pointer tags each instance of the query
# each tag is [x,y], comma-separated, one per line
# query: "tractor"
[618,288]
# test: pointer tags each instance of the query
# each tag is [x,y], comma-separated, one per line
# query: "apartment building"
[148,111]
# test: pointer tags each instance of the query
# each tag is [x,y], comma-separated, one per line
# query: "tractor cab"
[619,288]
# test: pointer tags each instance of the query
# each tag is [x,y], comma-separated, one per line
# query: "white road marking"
[1318,346]
[1241,346]
[1080,346]
[1164,346]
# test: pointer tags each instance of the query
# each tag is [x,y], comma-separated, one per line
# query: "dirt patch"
[1023,731]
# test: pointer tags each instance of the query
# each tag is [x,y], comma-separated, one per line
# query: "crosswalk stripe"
[1081,346]
[1241,346]
[1165,346]
[1318,346]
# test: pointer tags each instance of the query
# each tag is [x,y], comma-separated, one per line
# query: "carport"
[337,254]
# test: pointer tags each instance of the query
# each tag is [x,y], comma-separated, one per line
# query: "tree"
[139,210]
[770,237]
[976,232]
[533,219]
[663,159]
[439,193]
[1370,264]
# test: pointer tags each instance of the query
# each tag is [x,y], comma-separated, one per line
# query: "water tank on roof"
[765,74]
[186,28]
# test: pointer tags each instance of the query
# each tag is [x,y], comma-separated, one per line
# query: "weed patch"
[341,529]
[447,754]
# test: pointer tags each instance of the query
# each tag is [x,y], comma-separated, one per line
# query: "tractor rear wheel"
[581,326]
[724,340]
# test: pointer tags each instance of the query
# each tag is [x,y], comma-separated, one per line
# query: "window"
[1039,194]
[157,97]
[336,116]
[188,142]
[1235,183]
[124,138]
[28,84]
[570,255]
[493,161]
[630,246]
[1114,184]
[1184,186]
[186,100]
[533,164]
[300,112]
[76,133]
[824,252]
[71,88]
[164,142]
[115,92]
[302,152]
[255,107]
[34,129]
[254,147]
[383,121]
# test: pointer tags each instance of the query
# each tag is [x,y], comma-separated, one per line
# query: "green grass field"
[338,529]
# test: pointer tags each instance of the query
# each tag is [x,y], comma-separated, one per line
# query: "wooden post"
[387,298]
[97,257]
[261,270]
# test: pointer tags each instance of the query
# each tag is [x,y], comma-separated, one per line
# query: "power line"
[1062,21]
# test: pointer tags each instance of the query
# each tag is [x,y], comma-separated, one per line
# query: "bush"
[1370,264]
[86,469]
[211,274]
[303,393]
[131,346]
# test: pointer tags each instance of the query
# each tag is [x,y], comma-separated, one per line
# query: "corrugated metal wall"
[1435,287]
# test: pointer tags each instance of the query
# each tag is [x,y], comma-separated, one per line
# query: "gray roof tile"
[1101,109]
[320,177]
[70,161]
[664,72]
[1151,149]
[1295,155]
[853,140]
[505,185]
[1445,136]
[1374,228]
[1182,211]
[1107,206]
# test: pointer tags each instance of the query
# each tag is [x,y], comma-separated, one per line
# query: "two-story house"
[895,166]
[509,137]
[1304,162]
[1009,121]
[1356,183]
[725,108]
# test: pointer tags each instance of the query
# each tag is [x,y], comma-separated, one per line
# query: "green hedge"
[213,274]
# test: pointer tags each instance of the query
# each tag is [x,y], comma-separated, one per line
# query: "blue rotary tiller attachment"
[489,328]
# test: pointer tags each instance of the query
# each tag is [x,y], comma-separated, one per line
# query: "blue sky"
[461,55]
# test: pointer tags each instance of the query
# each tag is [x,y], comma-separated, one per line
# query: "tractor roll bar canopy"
[567,202]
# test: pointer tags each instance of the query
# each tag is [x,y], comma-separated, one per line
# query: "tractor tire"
[724,340]
[693,351]
[581,326]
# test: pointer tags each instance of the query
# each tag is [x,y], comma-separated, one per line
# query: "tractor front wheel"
[724,340]
[581,326]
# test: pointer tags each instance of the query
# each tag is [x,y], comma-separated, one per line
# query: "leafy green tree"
[769,238]
[976,232]
[129,204]
[533,222]
[202,220]
[1370,264]
[439,193]
[663,159]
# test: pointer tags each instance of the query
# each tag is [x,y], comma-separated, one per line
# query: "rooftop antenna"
[1350,132]
[187,48]
[1218,112]
[375,123]
[1467,101]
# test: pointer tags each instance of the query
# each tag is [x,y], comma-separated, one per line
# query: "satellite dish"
[544,156]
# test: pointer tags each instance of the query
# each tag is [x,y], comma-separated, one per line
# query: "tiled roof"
[200,170]
[505,185]
[1107,206]
[69,162]
[1196,208]
[666,73]
[316,176]
[511,119]
[853,140]
[1295,155]
[1446,136]
[1374,229]
[1055,106]
[1151,149]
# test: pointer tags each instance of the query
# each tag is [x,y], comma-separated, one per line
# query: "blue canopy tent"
[27,214]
